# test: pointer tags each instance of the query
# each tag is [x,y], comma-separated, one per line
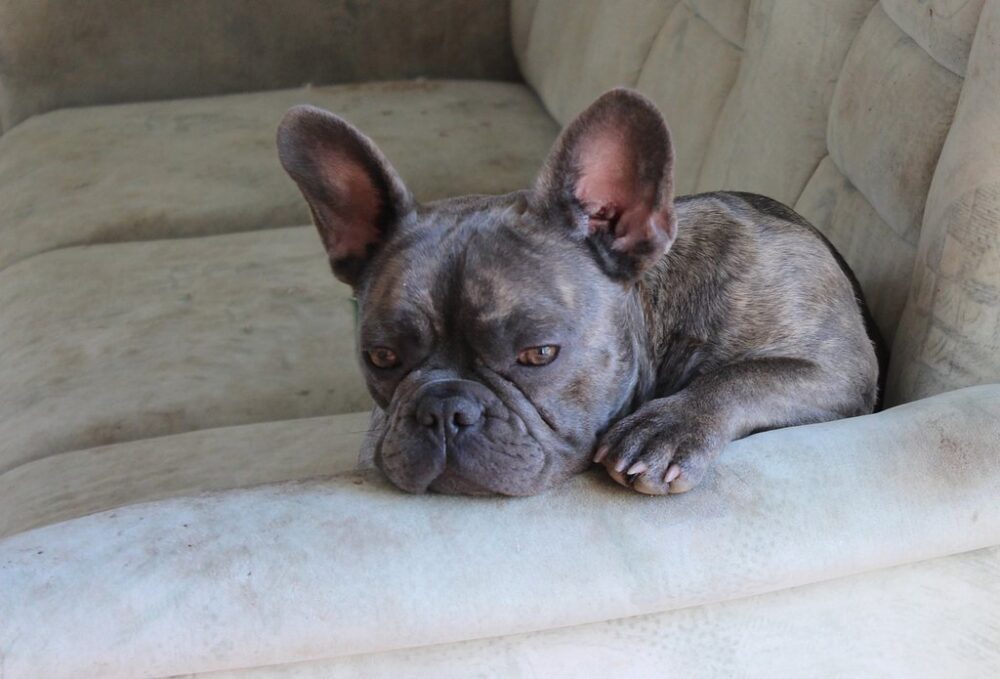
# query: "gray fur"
[720,315]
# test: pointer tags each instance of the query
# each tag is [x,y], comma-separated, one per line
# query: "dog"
[511,341]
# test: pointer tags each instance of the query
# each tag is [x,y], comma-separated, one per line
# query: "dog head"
[498,335]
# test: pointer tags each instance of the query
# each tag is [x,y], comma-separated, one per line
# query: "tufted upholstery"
[168,329]
[950,332]
[801,87]
[204,166]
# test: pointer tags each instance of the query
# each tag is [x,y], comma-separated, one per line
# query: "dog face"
[499,336]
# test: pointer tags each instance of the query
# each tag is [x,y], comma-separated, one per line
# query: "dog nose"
[443,409]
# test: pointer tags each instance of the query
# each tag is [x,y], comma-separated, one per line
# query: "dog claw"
[673,471]
[601,453]
[637,468]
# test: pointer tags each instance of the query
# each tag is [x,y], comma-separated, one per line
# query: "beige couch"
[178,430]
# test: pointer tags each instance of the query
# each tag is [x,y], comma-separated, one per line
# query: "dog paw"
[664,447]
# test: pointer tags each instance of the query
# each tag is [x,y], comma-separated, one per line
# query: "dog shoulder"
[767,236]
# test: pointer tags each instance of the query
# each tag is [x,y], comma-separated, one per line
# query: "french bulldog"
[512,341]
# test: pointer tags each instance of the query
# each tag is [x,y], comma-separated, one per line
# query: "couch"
[180,411]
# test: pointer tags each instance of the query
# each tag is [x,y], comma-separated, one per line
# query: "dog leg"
[668,443]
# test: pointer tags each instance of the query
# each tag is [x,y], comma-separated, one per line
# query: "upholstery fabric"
[135,340]
[950,332]
[868,195]
[350,565]
[943,28]
[887,76]
[522,13]
[771,133]
[201,166]
[689,73]
[574,51]
[80,482]
[932,619]
[727,17]
[61,53]
[684,54]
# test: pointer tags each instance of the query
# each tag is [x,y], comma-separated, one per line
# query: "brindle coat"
[676,326]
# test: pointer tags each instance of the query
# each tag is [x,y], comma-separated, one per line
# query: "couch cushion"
[950,330]
[351,565]
[79,482]
[943,28]
[689,73]
[201,166]
[891,110]
[890,113]
[117,342]
[571,52]
[771,133]
[61,53]
[929,619]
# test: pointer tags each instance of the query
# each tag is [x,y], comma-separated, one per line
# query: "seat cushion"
[937,618]
[351,565]
[123,341]
[206,166]
[80,482]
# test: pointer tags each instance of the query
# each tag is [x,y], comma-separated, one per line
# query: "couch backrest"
[60,53]
[949,335]
[837,108]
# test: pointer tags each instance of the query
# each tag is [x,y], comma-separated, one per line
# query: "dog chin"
[458,479]
[450,483]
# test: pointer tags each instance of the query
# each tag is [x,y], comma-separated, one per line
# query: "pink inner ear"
[607,175]
[352,219]
[611,191]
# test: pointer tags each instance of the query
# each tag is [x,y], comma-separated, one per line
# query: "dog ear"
[356,198]
[611,173]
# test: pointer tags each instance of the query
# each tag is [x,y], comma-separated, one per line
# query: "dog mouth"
[433,441]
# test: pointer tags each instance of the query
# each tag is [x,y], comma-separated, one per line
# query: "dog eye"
[382,357]
[537,356]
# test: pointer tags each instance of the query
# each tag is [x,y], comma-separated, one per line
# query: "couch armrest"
[349,565]
[64,53]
